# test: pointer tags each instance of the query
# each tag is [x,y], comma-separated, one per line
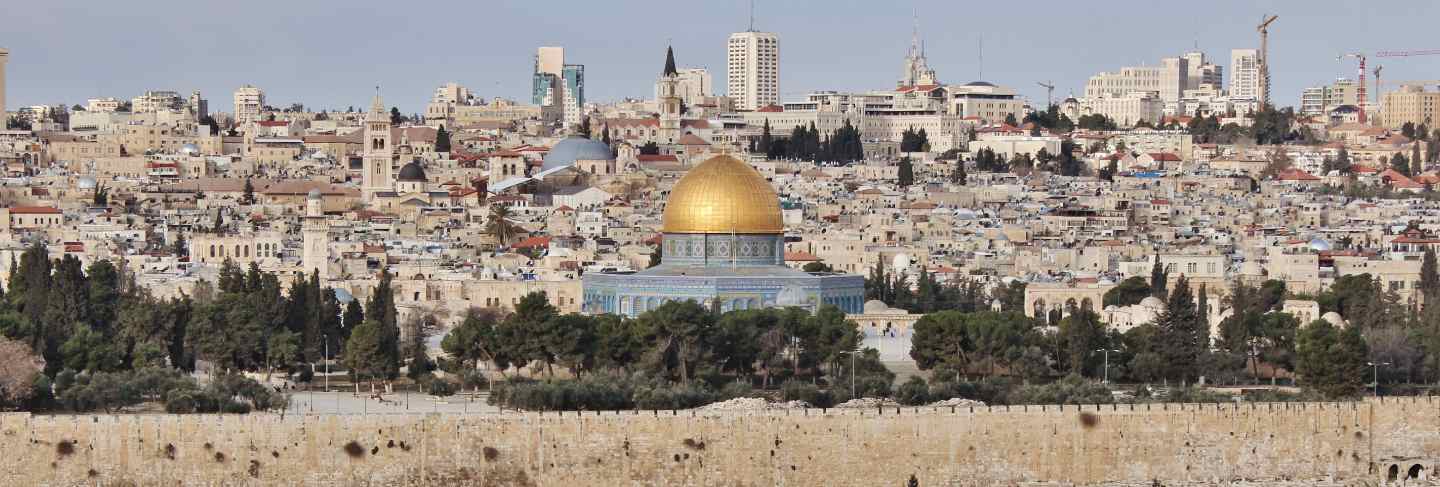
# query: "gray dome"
[190,150]
[576,148]
[86,182]
[412,172]
[1319,244]
[979,83]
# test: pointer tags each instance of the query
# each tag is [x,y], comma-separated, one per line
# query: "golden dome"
[723,195]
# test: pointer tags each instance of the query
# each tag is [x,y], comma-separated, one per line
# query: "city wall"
[1291,444]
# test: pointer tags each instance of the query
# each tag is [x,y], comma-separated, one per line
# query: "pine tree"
[442,139]
[907,171]
[959,177]
[1429,276]
[1158,278]
[381,310]
[1182,340]
[1417,165]
[248,196]
[1400,164]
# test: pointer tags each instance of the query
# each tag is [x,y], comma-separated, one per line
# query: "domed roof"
[875,306]
[1152,302]
[576,148]
[1334,319]
[1319,244]
[86,182]
[190,150]
[722,195]
[979,83]
[412,172]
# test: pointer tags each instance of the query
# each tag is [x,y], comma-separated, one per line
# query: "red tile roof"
[533,242]
[771,109]
[34,210]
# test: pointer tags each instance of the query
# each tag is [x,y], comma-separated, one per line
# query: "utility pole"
[1107,351]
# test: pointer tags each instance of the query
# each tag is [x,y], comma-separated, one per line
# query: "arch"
[1039,308]
[237,250]
[1416,472]
[212,250]
[1394,473]
[1054,317]
[1070,306]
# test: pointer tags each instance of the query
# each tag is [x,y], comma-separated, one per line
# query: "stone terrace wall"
[1178,444]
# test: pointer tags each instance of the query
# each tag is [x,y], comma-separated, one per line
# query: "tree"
[1330,360]
[584,130]
[1010,120]
[1159,277]
[1182,340]
[442,138]
[1408,130]
[1400,164]
[248,196]
[1130,291]
[1082,333]
[395,117]
[650,148]
[499,225]
[364,353]
[958,176]
[907,171]
[1429,276]
[677,332]
[474,341]
[381,309]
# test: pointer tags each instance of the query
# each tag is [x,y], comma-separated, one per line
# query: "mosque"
[723,247]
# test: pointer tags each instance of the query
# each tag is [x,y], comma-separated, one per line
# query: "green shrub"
[180,402]
[736,389]
[235,407]
[913,392]
[441,388]
[795,390]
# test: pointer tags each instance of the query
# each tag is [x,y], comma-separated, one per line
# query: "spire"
[915,49]
[376,105]
[669,62]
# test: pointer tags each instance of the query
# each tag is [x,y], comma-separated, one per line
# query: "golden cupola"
[723,195]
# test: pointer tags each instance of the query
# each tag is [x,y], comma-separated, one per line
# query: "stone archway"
[1416,472]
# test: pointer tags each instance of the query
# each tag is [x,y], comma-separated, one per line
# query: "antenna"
[752,16]
[982,57]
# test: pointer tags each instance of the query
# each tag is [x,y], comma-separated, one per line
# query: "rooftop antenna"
[982,57]
[752,16]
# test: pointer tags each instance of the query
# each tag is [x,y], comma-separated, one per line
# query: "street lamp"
[1107,363]
[1375,375]
[851,353]
[326,338]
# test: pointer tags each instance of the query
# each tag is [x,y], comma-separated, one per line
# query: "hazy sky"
[332,54]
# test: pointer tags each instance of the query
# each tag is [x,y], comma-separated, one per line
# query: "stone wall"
[1309,443]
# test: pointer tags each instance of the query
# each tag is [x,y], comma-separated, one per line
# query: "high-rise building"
[249,101]
[4,58]
[558,88]
[1320,100]
[1247,76]
[752,69]
[1202,72]
[1410,104]
[154,101]
[197,105]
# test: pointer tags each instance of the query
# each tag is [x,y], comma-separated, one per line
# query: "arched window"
[212,251]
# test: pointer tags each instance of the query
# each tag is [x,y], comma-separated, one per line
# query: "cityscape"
[1178,270]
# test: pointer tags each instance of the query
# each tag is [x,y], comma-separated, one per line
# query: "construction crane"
[1264,30]
[1049,93]
[1360,97]
[1378,68]
[1422,52]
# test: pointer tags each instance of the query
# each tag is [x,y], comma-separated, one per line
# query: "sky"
[333,54]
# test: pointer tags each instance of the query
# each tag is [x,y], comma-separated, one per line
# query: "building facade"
[752,69]
[1247,75]
[249,101]
[1410,104]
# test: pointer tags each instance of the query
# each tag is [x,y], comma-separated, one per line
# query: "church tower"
[669,99]
[378,170]
[316,232]
[917,69]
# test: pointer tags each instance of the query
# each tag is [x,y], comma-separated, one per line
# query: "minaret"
[378,170]
[669,100]
[316,232]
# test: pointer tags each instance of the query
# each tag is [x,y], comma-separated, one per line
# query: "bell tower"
[316,232]
[669,99]
[378,170]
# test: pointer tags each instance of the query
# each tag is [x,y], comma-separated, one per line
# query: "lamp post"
[326,338]
[851,353]
[1107,363]
[1375,375]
